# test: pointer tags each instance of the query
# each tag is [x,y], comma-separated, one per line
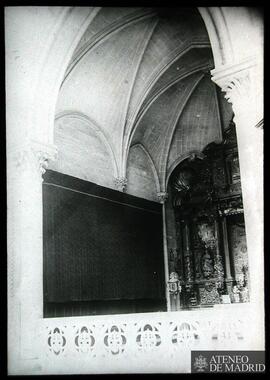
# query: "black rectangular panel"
[100,245]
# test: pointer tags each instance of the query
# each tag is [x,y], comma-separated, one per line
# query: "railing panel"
[150,342]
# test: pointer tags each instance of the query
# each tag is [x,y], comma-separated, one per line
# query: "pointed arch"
[163,183]
[63,40]
[177,54]
[99,132]
[132,132]
[181,158]
[152,164]
[141,174]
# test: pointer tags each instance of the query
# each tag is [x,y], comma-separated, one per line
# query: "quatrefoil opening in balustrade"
[84,340]
[115,340]
[148,338]
[184,335]
[228,332]
[56,341]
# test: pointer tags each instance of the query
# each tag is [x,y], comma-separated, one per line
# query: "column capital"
[235,81]
[223,74]
[243,88]
[32,155]
[120,183]
[162,196]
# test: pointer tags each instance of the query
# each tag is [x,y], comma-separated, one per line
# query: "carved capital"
[43,154]
[236,83]
[120,183]
[238,89]
[239,84]
[162,196]
[32,157]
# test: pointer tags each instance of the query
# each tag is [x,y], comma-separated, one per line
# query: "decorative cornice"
[120,183]
[162,196]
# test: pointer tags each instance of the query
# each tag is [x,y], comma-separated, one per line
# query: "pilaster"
[243,87]
[25,166]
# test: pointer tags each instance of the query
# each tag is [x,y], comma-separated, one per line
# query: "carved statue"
[174,284]
[235,294]
[207,265]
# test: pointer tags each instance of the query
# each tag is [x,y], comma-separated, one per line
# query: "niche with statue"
[210,263]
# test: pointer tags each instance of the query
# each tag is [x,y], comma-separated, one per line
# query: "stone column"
[25,167]
[228,278]
[188,262]
[162,197]
[243,87]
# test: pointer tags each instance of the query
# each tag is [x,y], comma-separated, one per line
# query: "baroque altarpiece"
[210,262]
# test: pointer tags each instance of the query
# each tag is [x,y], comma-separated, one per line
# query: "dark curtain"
[100,244]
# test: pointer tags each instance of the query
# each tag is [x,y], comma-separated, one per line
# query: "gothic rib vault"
[136,96]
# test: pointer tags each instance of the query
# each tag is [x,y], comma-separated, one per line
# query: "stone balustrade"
[139,343]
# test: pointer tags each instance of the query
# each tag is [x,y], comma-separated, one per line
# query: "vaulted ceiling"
[141,76]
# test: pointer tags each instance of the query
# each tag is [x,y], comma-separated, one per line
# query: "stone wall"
[81,152]
[140,174]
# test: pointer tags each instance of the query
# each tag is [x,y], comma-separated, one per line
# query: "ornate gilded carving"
[204,191]
[207,265]
[207,234]
[240,290]
[231,206]
[209,294]
[219,271]
[188,268]
[173,284]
